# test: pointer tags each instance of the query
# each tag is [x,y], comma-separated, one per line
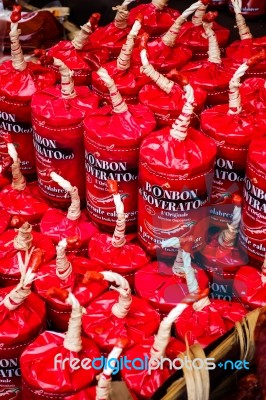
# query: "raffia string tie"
[243,29]
[67,82]
[118,239]
[119,105]
[81,36]
[192,282]
[72,341]
[178,267]
[18,180]
[170,36]
[24,238]
[164,83]
[63,265]
[199,14]
[122,14]
[180,126]
[201,304]
[235,106]
[159,4]
[228,236]
[214,52]
[103,388]
[123,60]
[120,309]
[18,61]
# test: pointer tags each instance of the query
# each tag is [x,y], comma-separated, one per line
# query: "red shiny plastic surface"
[249,287]
[253,94]
[104,328]
[4,220]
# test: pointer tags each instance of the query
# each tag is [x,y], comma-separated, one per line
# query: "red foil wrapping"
[209,324]
[57,226]
[46,376]
[167,107]
[142,382]
[242,50]
[9,267]
[16,91]
[18,328]
[156,21]
[104,328]
[250,287]
[174,184]
[58,312]
[26,204]
[162,288]
[58,140]
[193,37]
[252,238]
[125,260]
[112,142]
[232,134]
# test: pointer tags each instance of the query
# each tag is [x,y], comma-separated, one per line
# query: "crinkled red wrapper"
[104,328]
[39,371]
[128,82]
[48,107]
[194,37]
[236,129]
[162,288]
[4,181]
[21,85]
[125,259]
[76,60]
[211,77]
[26,203]
[20,326]
[57,226]
[155,21]
[249,287]
[167,107]
[209,324]
[241,51]
[109,37]
[86,394]
[193,155]
[253,94]
[121,130]
[142,382]
[164,58]
[57,310]
[9,267]
[4,220]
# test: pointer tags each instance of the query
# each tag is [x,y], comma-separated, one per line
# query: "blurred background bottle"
[218,3]
[251,8]
[3,26]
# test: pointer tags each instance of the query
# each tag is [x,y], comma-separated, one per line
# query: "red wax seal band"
[112,186]
[92,276]
[257,58]
[243,29]
[17,221]
[18,61]
[36,259]
[82,36]
[119,105]
[123,60]
[58,293]
[210,16]
[169,38]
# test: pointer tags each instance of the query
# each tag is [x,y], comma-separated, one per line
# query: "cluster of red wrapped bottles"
[169,150]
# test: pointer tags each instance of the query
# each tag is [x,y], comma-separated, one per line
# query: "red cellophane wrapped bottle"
[164,287]
[57,117]
[19,80]
[250,286]
[22,320]
[221,258]
[127,77]
[112,141]
[116,252]
[166,97]
[58,224]
[233,127]
[23,242]
[208,319]
[20,199]
[158,17]
[74,55]
[176,169]
[151,351]
[54,364]
[243,49]
[111,367]
[252,238]
[112,36]
[193,36]
[66,272]
[118,314]
[212,74]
